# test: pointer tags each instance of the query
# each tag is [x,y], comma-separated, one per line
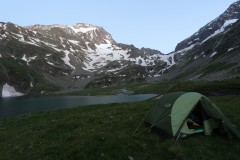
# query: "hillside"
[212,53]
[44,58]
[105,132]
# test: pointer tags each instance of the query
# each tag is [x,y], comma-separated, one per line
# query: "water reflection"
[29,104]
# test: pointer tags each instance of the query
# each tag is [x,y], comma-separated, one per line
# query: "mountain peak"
[77,28]
[45,27]
[84,27]
[236,3]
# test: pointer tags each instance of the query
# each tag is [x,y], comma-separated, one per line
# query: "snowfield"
[106,53]
[222,29]
[9,91]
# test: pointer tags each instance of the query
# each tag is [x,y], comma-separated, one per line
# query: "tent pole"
[150,128]
[140,123]
[137,128]
[178,135]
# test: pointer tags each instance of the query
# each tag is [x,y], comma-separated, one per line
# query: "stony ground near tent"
[105,132]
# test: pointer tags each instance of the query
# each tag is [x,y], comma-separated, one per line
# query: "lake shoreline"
[14,106]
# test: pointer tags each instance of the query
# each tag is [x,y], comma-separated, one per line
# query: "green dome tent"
[171,112]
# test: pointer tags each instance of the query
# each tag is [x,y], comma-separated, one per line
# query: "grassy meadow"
[105,132]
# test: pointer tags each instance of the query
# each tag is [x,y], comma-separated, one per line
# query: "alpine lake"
[14,106]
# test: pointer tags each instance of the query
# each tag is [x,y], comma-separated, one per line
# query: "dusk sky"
[156,24]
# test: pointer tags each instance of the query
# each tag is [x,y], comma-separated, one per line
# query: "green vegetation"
[217,67]
[45,86]
[18,72]
[105,132]
[165,86]
[107,90]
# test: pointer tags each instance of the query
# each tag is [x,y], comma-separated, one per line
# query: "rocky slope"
[212,53]
[42,58]
[219,25]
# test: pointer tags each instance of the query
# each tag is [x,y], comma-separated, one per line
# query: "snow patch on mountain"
[2,36]
[9,91]
[103,54]
[182,51]
[31,40]
[50,63]
[82,29]
[29,59]
[66,59]
[46,27]
[222,29]
[74,42]
[213,54]
[117,69]
[169,58]
[230,49]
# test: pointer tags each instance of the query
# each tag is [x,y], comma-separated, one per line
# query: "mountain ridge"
[72,58]
[211,28]
[45,58]
[208,47]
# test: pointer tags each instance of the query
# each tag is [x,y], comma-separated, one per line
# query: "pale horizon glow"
[151,24]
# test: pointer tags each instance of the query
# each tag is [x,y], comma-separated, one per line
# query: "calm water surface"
[30,104]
